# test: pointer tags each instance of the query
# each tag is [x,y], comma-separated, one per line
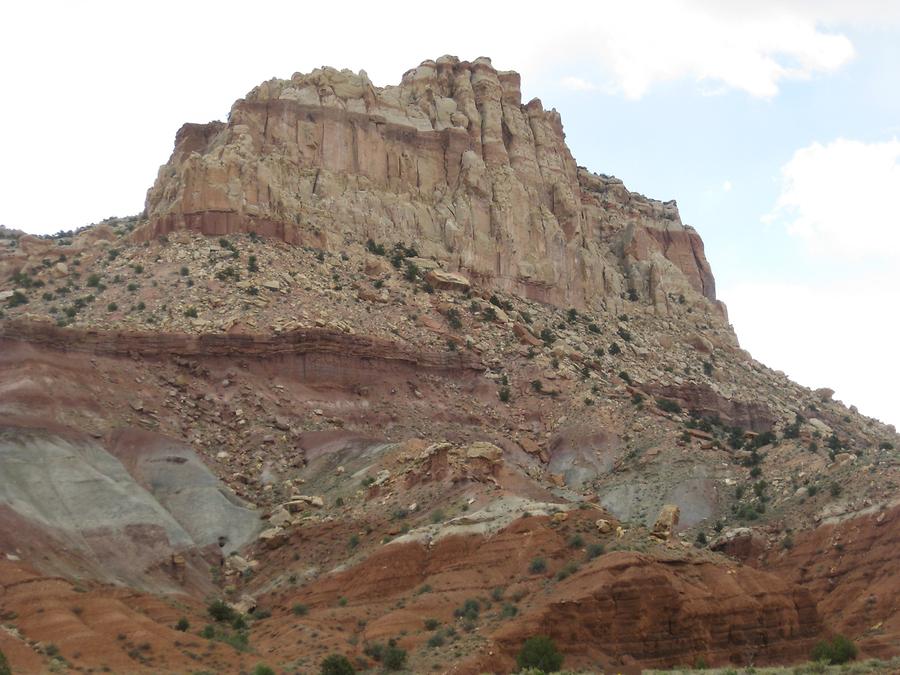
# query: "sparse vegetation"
[538,566]
[540,653]
[336,664]
[838,650]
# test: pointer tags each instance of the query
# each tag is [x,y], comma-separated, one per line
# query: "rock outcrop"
[450,160]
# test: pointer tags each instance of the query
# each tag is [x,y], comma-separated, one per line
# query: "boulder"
[666,522]
[447,281]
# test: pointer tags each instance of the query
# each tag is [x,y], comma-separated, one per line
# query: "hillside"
[370,355]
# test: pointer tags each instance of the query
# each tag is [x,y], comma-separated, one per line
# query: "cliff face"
[451,161]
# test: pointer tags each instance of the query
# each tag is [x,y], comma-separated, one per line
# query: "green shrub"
[431,624]
[595,551]
[840,650]
[336,664]
[184,271]
[469,610]
[17,298]
[668,405]
[182,625]
[394,658]
[538,566]
[504,394]
[540,652]
[614,349]
[191,312]
[566,571]
[252,265]
[454,319]
[219,611]
[112,307]
[263,669]
[4,665]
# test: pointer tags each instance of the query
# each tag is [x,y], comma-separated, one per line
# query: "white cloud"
[578,84]
[726,186]
[840,199]
[840,336]
[100,87]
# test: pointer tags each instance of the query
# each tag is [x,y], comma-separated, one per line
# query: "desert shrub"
[469,610]
[765,438]
[885,445]
[4,665]
[112,307]
[17,298]
[336,664]
[566,571]
[263,669]
[220,611]
[252,265]
[624,334]
[509,610]
[453,319]
[93,281]
[431,624]
[539,652]
[184,271]
[538,566]
[372,247]
[614,349]
[394,658]
[504,394]
[547,336]
[668,405]
[839,650]
[182,625]
[412,271]
[595,551]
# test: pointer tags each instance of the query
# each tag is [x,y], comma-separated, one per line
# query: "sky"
[775,125]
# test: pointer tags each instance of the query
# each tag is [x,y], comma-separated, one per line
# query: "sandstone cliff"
[451,161]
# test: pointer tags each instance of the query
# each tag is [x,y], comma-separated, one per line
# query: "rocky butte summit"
[450,159]
[381,379]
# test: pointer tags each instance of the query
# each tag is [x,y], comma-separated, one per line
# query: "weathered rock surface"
[451,160]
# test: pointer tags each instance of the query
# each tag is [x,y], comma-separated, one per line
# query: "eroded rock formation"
[450,160]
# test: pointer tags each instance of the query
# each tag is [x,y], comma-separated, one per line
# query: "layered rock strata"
[452,161]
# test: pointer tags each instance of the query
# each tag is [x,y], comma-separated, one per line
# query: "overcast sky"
[774,124]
